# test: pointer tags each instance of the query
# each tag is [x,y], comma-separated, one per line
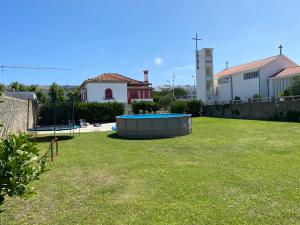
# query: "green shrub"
[178,106]
[165,101]
[286,92]
[257,97]
[17,158]
[194,107]
[154,107]
[237,98]
[144,106]
[91,111]
[235,112]
[102,112]
[293,116]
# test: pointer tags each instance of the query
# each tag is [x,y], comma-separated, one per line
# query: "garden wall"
[285,110]
[14,115]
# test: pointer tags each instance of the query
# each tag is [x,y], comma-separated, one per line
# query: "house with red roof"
[266,77]
[109,87]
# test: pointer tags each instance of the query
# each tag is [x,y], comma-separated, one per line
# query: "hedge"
[194,107]
[178,107]
[143,107]
[91,112]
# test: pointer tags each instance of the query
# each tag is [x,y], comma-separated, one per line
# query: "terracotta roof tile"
[287,72]
[246,67]
[115,77]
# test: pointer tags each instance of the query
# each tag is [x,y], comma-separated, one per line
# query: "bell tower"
[204,75]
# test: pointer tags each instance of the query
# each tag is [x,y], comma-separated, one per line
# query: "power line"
[32,67]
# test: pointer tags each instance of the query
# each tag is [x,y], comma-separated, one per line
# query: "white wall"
[278,85]
[282,62]
[96,92]
[202,76]
[224,92]
[245,89]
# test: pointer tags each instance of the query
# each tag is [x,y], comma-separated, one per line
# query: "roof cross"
[280,49]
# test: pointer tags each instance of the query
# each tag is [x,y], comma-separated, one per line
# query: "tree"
[33,88]
[1,92]
[16,86]
[56,93]
[156,95]
[41,96]
[1,89]
[180,92]
[74,95]
[295,88]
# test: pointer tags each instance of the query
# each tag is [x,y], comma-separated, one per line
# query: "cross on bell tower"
[280,49]
[196,39]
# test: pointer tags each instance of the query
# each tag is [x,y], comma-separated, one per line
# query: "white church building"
[266,77]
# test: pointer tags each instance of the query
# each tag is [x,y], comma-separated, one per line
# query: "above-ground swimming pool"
[153,125]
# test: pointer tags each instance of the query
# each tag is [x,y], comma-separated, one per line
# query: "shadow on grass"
[42,139]
[115,136]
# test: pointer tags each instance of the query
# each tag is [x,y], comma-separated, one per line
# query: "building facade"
[266,78]
[110,87]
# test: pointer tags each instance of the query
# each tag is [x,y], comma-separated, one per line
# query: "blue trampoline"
[53,128]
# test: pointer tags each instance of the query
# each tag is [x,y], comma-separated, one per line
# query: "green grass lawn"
[226,172]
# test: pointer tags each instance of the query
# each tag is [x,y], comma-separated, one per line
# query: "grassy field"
[225,172]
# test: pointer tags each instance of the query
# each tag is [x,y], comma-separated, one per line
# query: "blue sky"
[95,36]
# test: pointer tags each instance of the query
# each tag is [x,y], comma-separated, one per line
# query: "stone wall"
[15,116]
[285,110]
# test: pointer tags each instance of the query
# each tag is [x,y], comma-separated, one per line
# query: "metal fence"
[272,99]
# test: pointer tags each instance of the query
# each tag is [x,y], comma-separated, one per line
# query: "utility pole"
[169,82]
[194,77]
[173,80]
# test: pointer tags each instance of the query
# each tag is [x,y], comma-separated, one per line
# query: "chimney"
[146,76]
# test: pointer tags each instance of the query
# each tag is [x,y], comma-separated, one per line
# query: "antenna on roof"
[280,49]
[227,64]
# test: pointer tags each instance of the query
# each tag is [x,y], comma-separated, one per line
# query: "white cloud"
[158,61]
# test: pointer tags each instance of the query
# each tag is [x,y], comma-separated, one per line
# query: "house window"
[134,94]
[108,93]
[251,75]
[224,80]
